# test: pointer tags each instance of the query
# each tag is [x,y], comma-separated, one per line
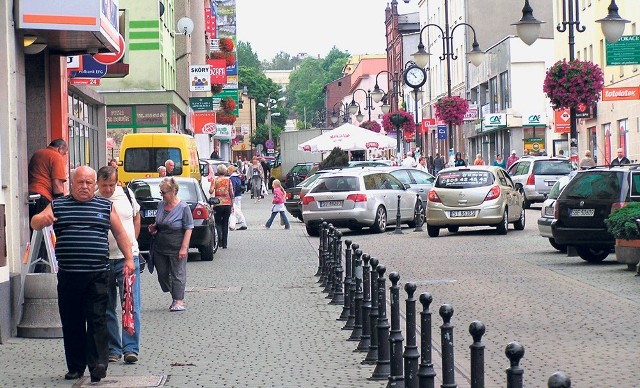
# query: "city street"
[256,318]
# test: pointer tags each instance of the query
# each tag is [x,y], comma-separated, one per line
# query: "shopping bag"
[264,190]
[127,304]
[233,220]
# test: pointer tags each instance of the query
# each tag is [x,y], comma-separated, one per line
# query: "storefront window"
[83,129]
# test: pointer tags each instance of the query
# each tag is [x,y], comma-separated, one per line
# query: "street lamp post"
[270,104]
[421,57]
[528,29]
[335,114]
[355,107]
[379,95]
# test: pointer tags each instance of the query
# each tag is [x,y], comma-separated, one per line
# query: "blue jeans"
[283,218]
[127,343]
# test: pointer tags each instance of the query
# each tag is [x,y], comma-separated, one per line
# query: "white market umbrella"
[347,137]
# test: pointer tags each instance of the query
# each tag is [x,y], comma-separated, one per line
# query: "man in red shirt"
[47,174]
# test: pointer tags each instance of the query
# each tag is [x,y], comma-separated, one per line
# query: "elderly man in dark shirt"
[81,222]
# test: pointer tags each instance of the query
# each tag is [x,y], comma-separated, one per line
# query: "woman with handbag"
[256,175]
[222,189]
[278,205]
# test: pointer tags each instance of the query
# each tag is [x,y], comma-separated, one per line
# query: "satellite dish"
[185,26]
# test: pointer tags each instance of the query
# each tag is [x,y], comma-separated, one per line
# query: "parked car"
[474,196]
[357,198]
[298,173]
[204,236]
[208,170]
[369,163]
[547,214]
[586,202]
[294,195]
[535,175]
[421,181]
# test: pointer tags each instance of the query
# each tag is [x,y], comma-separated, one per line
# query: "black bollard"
[515,374]
[338,295]
[426,373]
[396,377]
[446,342]
[417,217]
[411,354]
[347,281]
[324,234]
[335,252]
[327,258]
[357,275]
[559,380]
[477,329]
[365,338]
[320,246]
[328,285]
[351,319]
[398,229]
[382,370]
[372,354]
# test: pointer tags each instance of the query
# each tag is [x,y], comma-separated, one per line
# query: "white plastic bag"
[264,190]
[232,221]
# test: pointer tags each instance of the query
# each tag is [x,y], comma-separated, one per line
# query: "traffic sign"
[268,143]
[442,132]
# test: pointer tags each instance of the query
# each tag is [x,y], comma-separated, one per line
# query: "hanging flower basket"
[452,109]
[226,44]
[372,126]
[569,84]
[229,58]
[228,104]
[225,118]
[400,119]
[216,88]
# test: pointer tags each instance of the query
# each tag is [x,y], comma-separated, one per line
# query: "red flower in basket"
[228,104]
[569,84]
[225,118]
[392,120]
[229,58]
[372,126]
[452,109]
[216,88]
[226,44]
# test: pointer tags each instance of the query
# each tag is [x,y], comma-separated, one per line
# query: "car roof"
[493,169]
[159,179]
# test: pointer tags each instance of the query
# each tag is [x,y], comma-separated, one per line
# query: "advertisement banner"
[426,124]
[472,113]
[218,71]
[199,76]
[204,122]
[621,94]
[224,132]
[562,121]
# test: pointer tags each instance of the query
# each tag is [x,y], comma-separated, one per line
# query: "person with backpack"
[237,181]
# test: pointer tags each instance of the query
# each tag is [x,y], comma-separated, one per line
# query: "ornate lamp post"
[269,105]
[344,110]
[380,95]
[528,29]
[421,57]
[354,107]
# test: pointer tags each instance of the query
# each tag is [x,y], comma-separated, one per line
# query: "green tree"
[247,57]
[336,159]
[259,87]
[261,134]
[282,61]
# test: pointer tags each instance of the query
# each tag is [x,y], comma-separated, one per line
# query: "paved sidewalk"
[255,318]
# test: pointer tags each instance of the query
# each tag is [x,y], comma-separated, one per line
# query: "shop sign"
[534,120]
[584,111]
[495,120]
[203,122]
[245,129]
[224,132]
[472,113]
[626,51]
[199,78]
[119,115]
[620,94]
[151,115]
[562,121]
[90,68]
[218,71]
[201,103]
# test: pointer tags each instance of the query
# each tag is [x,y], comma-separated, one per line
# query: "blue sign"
[90,68]
[442,132]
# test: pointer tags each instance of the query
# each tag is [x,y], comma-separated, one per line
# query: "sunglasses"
[164,192]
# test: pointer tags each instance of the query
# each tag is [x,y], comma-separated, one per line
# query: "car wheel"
[503,226]
[593,254]
[380,224]
[520,223]
[207,251]
[561,247]
[312,231]
[453,229]
[525,204]
[418,209]
[433,231]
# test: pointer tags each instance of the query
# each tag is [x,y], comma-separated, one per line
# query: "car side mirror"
[407,186]
[213,201]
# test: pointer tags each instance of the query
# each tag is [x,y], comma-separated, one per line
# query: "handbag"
[232,221]
[128,323]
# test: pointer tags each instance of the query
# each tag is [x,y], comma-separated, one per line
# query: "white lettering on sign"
[216,71]
[620,93]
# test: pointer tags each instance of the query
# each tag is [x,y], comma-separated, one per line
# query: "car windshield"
[594,185]
[309,181]
[464,179]
[552,167]
[148,159]
[336,184]
[145,191]
[557,188]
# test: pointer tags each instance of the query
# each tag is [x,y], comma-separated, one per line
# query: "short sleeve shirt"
[45,165]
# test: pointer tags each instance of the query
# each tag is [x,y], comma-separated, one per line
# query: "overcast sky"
[314,27]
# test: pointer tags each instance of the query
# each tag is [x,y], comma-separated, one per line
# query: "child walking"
[278,205]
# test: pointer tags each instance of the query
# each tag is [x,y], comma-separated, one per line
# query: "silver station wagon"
[357,198]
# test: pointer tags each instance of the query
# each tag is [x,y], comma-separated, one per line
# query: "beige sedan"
[474,196]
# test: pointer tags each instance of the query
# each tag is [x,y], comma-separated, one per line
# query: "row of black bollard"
[364,310]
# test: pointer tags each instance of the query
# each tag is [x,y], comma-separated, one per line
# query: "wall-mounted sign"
[224,132]
[534,120]
[625,51]
[442,132]
[199,78]
[218,71]
[495,120]
[204,122]
[622,93]
[472,113]
[562,121]
[119,115]
[201,103]
[90,68]
[151,114]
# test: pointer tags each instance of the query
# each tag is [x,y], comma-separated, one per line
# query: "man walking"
[81,222]
[47,174]
[128,211]
[512,158]
[438,164]
[621,159]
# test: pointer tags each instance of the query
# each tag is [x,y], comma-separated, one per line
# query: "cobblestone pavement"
[256,318]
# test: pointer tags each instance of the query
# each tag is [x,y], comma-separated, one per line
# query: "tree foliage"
[247,57]
[336,159]
[282,61]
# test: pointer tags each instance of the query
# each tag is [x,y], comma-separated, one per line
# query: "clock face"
[415,77]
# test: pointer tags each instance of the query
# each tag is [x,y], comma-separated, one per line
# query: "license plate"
[296,196]
[330,203]
[462,213]
[551,183]
[582,212]
[150,213]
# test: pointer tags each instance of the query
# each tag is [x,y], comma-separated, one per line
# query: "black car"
[584,205]
[298,173]
[293,195]
[204,236]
